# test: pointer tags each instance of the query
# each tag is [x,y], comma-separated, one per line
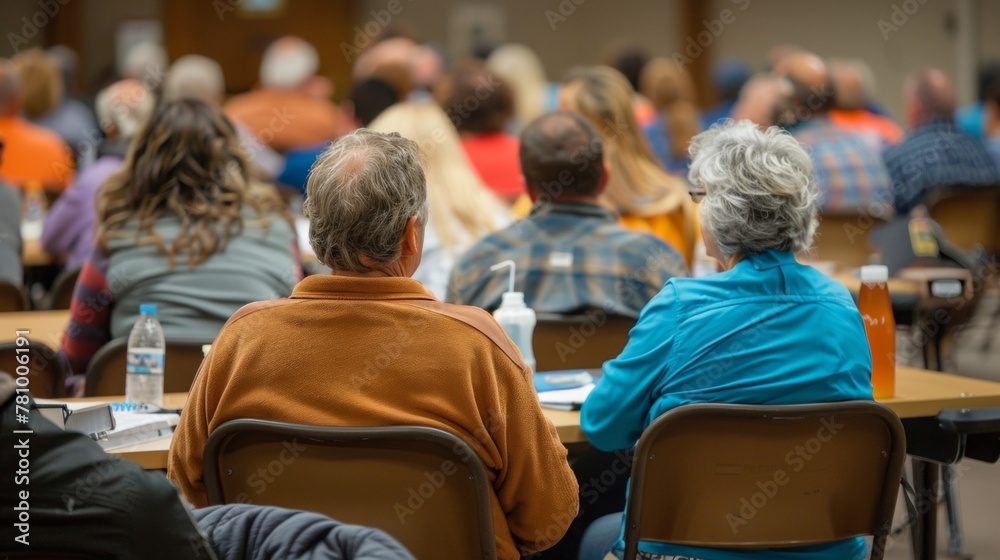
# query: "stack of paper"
[137,427]
[565,399]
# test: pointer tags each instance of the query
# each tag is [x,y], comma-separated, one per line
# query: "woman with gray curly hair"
[739,336]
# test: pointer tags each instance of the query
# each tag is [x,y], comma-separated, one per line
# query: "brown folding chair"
[583,341]
[743,476]
[106,372]
[969,216]
[845,238]
[62,289]
[46,369]
[424,486]
[13,298]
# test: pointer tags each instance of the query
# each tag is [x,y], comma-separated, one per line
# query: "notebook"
[137,427]
[563,390]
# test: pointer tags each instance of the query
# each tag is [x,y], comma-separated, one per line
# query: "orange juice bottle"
[880,327]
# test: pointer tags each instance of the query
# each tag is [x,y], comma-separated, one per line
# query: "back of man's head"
[123,108]
[362,192]
[931,95]
[10,89]
[562,157]
[848,86]
[195,76]
[288,63]
[810,77]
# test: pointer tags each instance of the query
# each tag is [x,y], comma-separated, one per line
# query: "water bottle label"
[145,361]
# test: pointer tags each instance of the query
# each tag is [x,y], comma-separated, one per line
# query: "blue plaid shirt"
[937,154]
[570,257]
[850,174]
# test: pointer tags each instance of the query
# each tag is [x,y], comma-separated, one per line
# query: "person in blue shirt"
[766,331]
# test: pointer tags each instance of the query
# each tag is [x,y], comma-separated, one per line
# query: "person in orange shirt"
[290,110]
[851,97]
[639,189]
[32,154]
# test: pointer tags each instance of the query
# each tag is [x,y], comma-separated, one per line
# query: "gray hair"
[195,76]
[361,193]
[759,188]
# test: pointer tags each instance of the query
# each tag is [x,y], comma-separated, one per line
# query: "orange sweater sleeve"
[537,489]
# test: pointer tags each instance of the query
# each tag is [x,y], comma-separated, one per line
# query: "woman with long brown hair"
[670,89]
[185,226]
[644,195]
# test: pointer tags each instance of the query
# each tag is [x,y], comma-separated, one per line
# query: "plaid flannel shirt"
[570,257]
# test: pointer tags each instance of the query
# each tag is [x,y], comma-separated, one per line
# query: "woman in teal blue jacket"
[766,331]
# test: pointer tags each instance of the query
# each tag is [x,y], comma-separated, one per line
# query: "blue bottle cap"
[148,308]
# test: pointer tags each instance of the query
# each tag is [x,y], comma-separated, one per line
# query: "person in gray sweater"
[183,225]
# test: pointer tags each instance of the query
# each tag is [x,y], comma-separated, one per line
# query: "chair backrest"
[13,298]
[425,487]
[845,238]
[743,476]
[583,341]
[62,289]
[969,216]
[46,370]
[106,372]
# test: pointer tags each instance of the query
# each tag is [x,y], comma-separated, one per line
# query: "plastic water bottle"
[516,318]
[144,364]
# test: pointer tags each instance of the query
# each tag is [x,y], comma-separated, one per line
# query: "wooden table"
[919,393]
[46,327]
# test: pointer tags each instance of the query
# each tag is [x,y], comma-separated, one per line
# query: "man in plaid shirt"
[571,253]
[850,173]
[935,152]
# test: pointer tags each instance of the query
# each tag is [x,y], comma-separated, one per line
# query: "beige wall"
[577,40]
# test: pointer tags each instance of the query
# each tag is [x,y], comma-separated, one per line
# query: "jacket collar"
[582,209]
[330,286]
[770,259]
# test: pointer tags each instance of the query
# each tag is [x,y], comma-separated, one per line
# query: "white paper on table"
[565,399]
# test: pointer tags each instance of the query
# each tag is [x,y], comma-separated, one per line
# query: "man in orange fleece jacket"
[369,346]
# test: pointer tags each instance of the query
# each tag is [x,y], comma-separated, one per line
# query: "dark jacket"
[247,532]
[73,497]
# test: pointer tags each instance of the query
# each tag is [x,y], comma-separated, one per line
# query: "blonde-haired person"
[645,196]
[670,89]
[462,209]
[522,70]
[181,225]
[47,105]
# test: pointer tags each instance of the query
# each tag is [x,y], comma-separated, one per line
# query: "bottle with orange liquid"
[880,326]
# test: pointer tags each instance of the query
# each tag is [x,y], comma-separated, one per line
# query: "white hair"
[287,63]
[759,188]
[124,107]
[195,76]
[145,60]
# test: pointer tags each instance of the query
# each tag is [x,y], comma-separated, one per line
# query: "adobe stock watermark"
[566,9]
[262,477]
[900,15]
[364,35]
[419,496]
[796,459]
[31,26]
[695,46]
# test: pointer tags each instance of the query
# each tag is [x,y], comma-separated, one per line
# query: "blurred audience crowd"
[230,169]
